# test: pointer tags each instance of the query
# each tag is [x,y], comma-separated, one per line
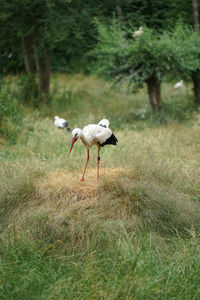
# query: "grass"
[135,234]
[122,271]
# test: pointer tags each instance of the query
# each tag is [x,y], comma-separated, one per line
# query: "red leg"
[88,157]
[98,162]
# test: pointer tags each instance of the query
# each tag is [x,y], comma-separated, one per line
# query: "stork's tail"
[104,123]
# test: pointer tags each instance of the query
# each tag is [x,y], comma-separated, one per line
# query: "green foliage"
[154,14]
[67,26]
[150,55]
[110,51]
[186,48]
[179,11]
[124,57]
[11,114]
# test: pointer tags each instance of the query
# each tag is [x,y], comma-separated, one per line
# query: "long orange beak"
[72,144]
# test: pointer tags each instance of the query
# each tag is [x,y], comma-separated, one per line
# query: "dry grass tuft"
[63,180]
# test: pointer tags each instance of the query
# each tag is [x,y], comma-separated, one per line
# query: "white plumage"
[178,84]
[61,123]
[94,134]
[104,123]
[138,32]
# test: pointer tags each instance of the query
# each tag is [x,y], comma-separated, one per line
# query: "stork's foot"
[82,179]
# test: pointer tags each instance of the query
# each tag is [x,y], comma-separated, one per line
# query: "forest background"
[40,37]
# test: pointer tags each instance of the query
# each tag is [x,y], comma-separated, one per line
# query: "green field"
[134,234]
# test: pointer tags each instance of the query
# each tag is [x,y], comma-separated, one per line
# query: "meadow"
[134,234]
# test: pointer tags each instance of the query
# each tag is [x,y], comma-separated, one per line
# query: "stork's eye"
[76,134]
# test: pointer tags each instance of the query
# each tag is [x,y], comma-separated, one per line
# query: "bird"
[61,123]
[94,134]
[138,32]
[178,84]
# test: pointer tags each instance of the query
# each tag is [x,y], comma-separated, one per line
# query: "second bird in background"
[61,123]
[178,84]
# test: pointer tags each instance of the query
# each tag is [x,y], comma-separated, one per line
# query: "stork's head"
[56,118]
[76,134]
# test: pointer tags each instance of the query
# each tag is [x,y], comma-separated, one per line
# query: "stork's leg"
[88,157]
[98,162]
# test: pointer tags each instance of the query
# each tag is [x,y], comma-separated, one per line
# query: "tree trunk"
[196,83]
[158,97]
[151,92]
[119,12]
[153,87]
[29,60]
[43,70]
[195,77]
[195,14]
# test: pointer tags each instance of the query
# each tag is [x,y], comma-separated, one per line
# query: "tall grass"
[11,114]
[123,267]
[135,234]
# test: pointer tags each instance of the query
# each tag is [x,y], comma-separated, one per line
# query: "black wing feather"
[112,140]
[65,124]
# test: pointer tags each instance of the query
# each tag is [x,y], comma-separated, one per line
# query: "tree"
[142,60]
[33,22]
[26,19]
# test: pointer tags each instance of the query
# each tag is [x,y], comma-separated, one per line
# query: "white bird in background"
[61,123]
[178,84]
[138,32]
[94,134]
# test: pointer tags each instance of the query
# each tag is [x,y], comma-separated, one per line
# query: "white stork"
[178,84]
[94,134]
[138,32]
[61,123]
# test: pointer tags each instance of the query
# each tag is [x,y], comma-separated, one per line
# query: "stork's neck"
[84,138]
[79,133]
